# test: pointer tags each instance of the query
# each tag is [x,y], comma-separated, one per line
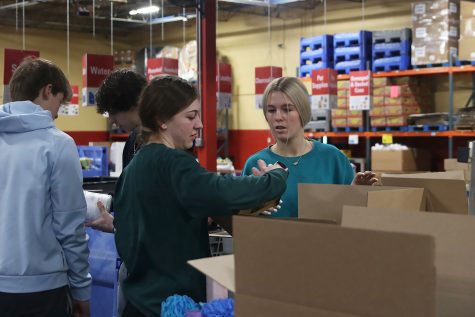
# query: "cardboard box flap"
[444,195]
[255,306]
[360,272]
[318,201]
[434,175]
[400,199]
[454,249]
[219,268]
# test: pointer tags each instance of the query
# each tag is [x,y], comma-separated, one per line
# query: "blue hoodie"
[42,207]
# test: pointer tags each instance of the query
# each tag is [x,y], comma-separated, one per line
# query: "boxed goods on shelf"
[467,31]
[435,31]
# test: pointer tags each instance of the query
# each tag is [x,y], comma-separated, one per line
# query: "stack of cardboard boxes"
[467,31]
[356,251]
[435,31]
[342,116]
[395,100]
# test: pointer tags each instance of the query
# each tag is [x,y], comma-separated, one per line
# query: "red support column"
[206,21]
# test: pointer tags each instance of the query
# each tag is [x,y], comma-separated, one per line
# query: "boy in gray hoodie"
[43,249]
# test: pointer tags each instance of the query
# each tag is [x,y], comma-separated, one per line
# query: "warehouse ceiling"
[89,15]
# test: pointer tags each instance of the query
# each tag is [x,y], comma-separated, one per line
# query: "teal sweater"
[162,202]
[324,164]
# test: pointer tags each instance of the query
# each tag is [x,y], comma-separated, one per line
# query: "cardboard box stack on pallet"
[356,251]
[397,98]
[435,31]
[467,31]
[342,117]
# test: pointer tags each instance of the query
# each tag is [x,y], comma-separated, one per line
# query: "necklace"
[296,162]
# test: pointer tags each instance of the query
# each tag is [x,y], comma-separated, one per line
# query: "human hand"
[272,210]
[366,178]
[81,308]
[263,168]
[105,221]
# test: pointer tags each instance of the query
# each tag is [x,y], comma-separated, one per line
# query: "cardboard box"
[342,103]
[325,202]
[378,121]
[445,192]
[323,270]
[378,112]
[339,113]
[396,121]
[454,252]
[434,52]
[400,110]
[404,160]
[467,9]
[339,122]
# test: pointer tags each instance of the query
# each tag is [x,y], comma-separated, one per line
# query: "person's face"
[282,116]
[125,120]
[55,103]
[182,128]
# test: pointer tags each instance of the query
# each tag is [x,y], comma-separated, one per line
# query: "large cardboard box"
[297,268]
[443,192]
[325,202]
[454,250]
[400,160]
[467,31]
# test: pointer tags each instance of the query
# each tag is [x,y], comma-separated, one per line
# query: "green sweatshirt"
[162,201]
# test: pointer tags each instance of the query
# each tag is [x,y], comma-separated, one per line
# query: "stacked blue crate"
[352,51]
[100,160]
[315,53]
[391,50]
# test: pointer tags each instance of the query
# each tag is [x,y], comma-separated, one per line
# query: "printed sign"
[223,86]
[360,90]
[159,66]
[72,108]
[324,89]
[95,68]
[13,58]
[264,75]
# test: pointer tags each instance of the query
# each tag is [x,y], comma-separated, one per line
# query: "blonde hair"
[295,90]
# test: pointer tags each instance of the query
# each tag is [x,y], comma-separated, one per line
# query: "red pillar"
[206,21]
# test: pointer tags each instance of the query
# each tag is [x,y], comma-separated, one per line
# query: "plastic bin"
[99,157]
[104,268]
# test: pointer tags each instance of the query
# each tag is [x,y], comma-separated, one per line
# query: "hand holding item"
[93,212]
[272,210]
[105,221]
[366,178]
[263,167]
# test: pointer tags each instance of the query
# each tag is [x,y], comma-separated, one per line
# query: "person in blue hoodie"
[43,248]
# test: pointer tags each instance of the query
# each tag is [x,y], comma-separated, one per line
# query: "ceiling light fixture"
[145,10]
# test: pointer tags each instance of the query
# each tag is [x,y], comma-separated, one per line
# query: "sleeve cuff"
[81,294]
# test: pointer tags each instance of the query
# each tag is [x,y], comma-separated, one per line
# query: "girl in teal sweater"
[287,110]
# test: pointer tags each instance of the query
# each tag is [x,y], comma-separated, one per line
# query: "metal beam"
[206,24]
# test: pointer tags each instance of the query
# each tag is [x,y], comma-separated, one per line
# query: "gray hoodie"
[42,207]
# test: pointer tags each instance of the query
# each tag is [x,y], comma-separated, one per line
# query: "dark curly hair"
[120,91]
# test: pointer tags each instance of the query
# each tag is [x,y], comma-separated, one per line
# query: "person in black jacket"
[118,97]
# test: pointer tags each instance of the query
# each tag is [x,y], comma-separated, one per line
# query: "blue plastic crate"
[392,36]
[306,70]
[100,160]
[383,50]
[361,38]
[317,56]
[347,67]
[392,63]
[316,43]
[103,259]
[390,129]
[348,54]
